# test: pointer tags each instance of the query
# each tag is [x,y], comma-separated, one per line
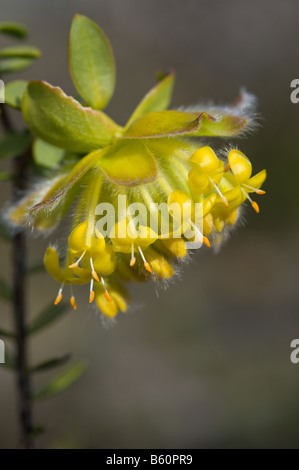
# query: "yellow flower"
[88,248]
[126,239]
[242,181]
[118,300]
[206,173]
[199,192]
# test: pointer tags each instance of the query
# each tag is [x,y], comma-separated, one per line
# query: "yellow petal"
[233,195]
[199,182]
[208,204]
[175,247]
[124,234]
[205,159]
[98,245]
[105,263]
[108,308]
[208,224]
[240,165]
[256,181]
[51,262]
[118,299]
[216,176]
[181,205]
[76,239]
[159,264]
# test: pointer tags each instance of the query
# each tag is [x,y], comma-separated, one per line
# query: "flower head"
[176,193]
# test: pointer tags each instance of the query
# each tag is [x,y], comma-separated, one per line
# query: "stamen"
[106,293]
[93,272]
[133,259]
[226,168]
[257,191]
[91,293]
[253,203]
[145,263]
[202,238]
[224,200]
[76,264]
[73,302]
[72,299]
[255,207]
[59,295]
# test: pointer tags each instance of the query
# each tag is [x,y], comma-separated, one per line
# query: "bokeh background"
[205,364]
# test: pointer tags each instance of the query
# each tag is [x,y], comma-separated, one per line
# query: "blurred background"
[205,364]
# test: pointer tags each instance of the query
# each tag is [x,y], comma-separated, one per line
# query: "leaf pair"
[63,122]
[16,58]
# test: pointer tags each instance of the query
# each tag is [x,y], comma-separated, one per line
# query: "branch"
[20,169]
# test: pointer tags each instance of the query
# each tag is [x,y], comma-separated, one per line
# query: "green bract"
[63,121]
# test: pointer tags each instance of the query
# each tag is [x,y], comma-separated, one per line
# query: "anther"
[202,238]
[253,203]
[106,293]
[91,292]
[59,296]
[72,299]
[145,263]
[133,259]
[93,272]
[73,302]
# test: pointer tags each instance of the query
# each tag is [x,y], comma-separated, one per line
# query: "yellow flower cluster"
[186,175]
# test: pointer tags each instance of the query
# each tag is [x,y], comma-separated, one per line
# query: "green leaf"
[47,316]
[29,52]
[179,123]
[91,62]
[157,99]
[5,291]
[50,364]
[62,121]
[6,334]
[47,155]
[17,30]
[14,144]
[129,163]
[12,65]
[14,92]
[61,382]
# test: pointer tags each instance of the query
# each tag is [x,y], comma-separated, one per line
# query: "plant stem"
[20,168]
